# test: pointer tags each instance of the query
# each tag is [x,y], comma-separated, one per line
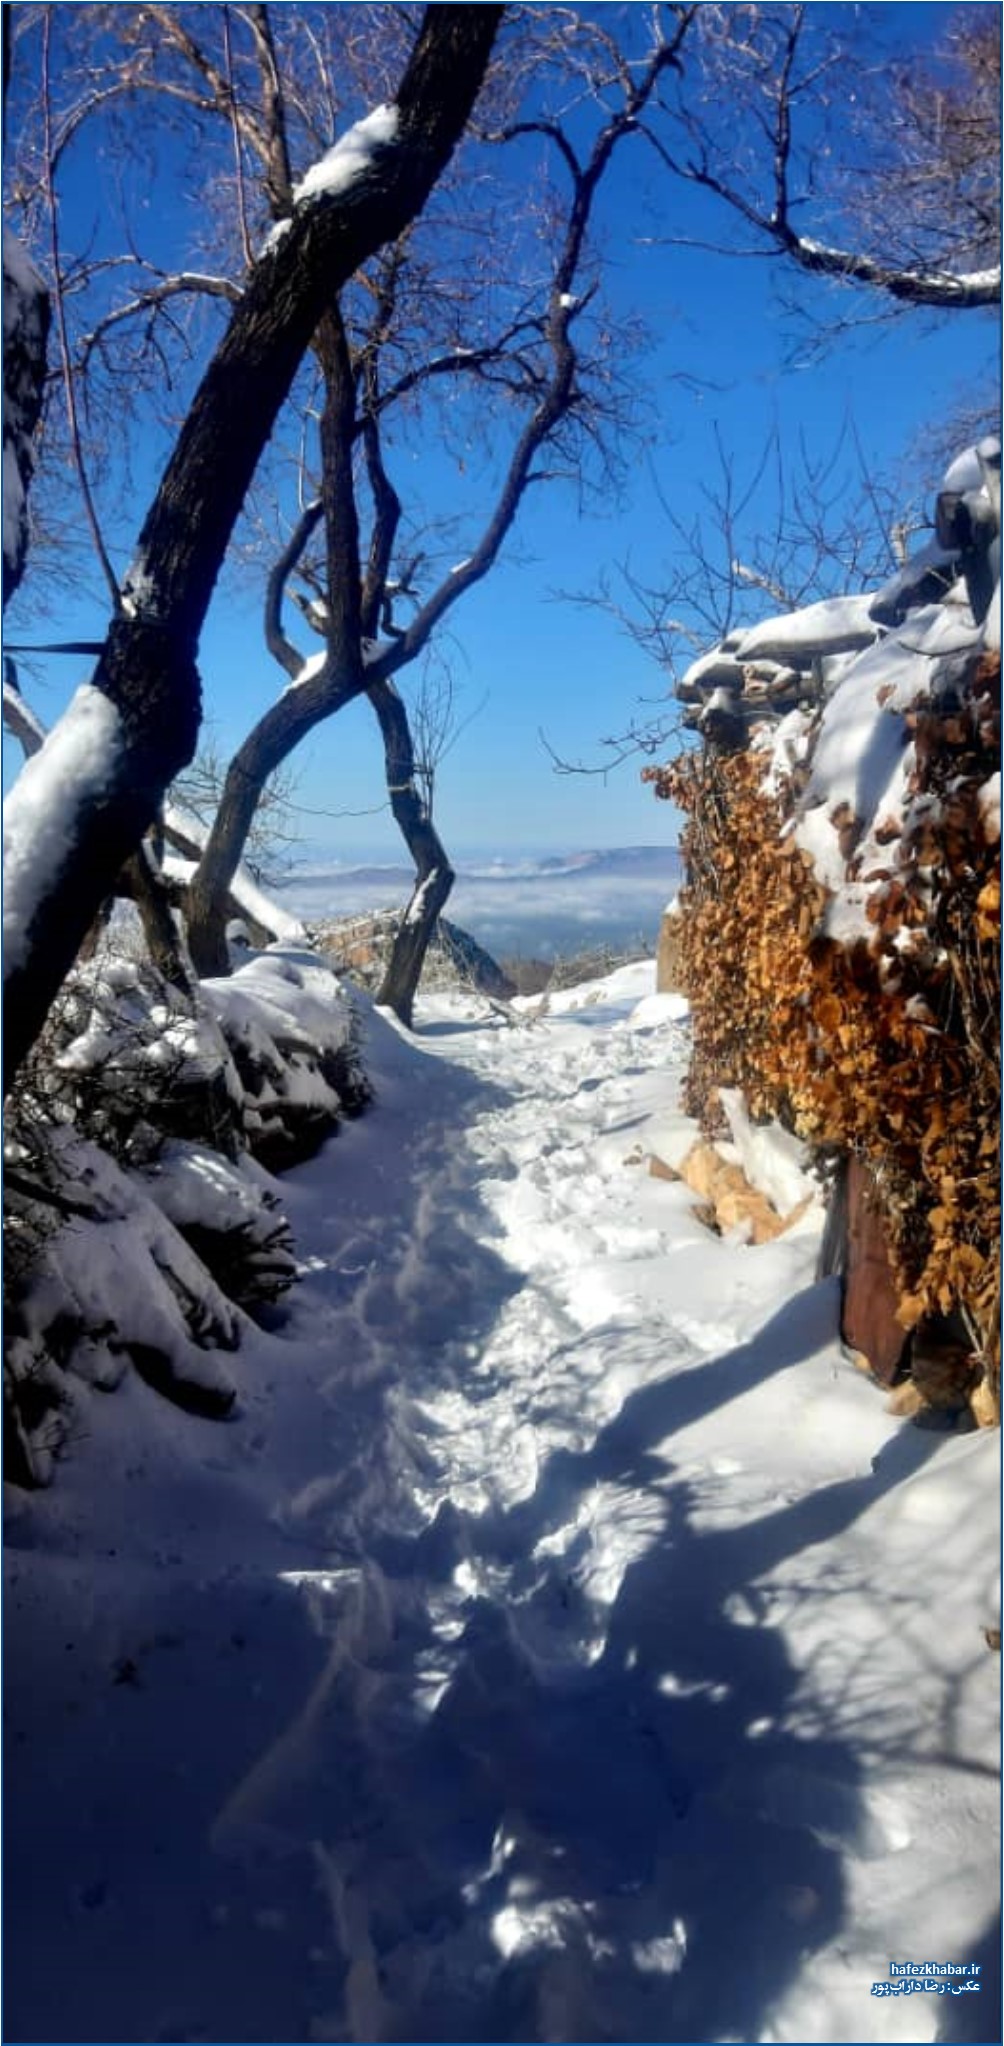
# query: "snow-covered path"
[563,1643]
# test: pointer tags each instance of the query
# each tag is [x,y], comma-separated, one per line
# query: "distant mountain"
[650,862]
[538,907]
[332,874]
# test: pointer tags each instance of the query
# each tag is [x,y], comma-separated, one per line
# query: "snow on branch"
[351,157]
[936,288]
[185,283]
[191,837]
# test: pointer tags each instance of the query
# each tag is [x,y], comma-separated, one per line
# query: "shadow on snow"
[383,1792]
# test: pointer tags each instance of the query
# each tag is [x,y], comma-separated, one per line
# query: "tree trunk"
[434,876]
[309,701]
[433,885]
[274,737]
[147,672]
[152,897]
[207,898]
[57,879]
[142,877]
[26,330]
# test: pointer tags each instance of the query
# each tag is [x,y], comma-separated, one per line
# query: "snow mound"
[140,1228]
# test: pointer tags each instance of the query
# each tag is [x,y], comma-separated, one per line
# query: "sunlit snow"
[68,775]
[562,1640]
[350,157]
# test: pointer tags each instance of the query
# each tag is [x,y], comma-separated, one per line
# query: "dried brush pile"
[843,964]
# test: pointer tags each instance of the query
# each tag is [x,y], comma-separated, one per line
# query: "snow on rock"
[857,754]
[293,994]
[835,625]
[136,1045]
[653,1011]
[992,626]
[71,772]
[836,744]
[941,602]
[710,671]
[576,1647]
[774,1161]
[118,1285]
[858,794]
[629,984]
[138,1224]
[925,578]
[230,1214]
[289,1027]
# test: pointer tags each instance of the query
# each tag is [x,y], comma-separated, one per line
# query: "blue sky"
[722,364]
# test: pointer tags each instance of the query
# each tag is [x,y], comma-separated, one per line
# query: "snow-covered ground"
[562,1641]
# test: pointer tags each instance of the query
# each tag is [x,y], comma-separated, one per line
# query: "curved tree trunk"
[274,737]
[147,679]
[434,876]
[311,699]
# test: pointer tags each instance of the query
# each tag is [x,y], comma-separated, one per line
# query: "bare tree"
[26,315]
[545,372]
[80,808]
[930,131]
[378,333]
[351,616]
[833,526]
[880,175]
[534,351]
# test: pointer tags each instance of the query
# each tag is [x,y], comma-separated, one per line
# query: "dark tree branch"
[386,519]
[434,875]
[59,311]
[222,98]
[935,288]
[559,394]
[282,649]
[278,174]
[235,134]
[341,520]
[920,282]
[147,673]
[185,283]
[386,502]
